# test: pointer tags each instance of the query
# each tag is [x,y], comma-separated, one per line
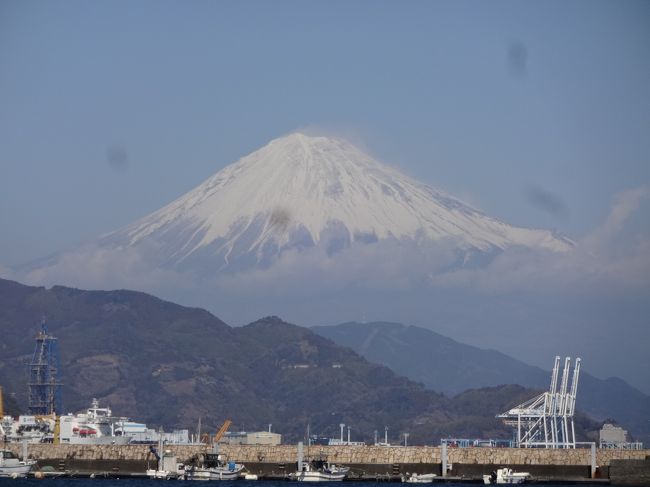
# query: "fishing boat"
[213,466]
[320,471]
[419,478]
[506,476]
[167,467]
[13,467]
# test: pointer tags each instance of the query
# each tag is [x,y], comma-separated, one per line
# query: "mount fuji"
[299,192]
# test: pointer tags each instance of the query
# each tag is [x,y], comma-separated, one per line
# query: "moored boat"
[320,471]
[12,466]
[422,478]
[213,466]
[506,476]
[167,467]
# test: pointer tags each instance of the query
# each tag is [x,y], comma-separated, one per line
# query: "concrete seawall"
[363,460]
[343,454]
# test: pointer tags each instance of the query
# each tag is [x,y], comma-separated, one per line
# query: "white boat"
[506,476]
[213,466]
[421,478]
[320,471]
[12,466]
[167,467]
[155,474]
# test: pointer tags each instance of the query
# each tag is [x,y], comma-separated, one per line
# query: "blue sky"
[536,112]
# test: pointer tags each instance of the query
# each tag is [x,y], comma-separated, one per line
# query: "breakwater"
[342,454]
[566,464]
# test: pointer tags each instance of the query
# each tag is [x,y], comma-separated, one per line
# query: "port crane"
[546,421]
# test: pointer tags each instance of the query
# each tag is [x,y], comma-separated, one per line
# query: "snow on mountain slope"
[299,191]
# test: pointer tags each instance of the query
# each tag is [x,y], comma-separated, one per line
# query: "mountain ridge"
[451,367]
[168,365]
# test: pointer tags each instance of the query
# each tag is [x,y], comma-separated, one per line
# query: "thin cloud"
[7,273]
[625,204]
[595,264]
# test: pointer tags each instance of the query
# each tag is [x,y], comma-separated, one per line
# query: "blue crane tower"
[44,386]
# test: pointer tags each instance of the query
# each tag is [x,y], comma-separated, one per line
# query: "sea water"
[135,482]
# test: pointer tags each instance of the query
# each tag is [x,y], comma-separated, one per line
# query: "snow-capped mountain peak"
[299,191]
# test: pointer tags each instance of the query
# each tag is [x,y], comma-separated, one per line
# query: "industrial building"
[252,438]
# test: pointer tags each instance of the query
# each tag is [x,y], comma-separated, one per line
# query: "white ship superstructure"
[95,426]
[29,428]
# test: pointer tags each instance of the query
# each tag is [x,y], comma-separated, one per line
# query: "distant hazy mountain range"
[445,365]
[167,364]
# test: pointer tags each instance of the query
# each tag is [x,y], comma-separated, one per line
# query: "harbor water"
[135,482]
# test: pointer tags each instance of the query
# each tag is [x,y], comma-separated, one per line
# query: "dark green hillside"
[309,379]
[127,348]
[168,365]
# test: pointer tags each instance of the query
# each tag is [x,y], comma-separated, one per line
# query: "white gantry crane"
[546,421]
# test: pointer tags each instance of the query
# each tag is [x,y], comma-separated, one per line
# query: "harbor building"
[612,436]
[252,438]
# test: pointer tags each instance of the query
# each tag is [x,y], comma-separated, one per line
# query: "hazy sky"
[536,112]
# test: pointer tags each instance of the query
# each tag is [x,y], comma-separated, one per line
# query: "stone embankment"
[365,462]
[342,454]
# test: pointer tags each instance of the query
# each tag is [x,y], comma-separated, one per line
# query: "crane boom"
[222,431]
